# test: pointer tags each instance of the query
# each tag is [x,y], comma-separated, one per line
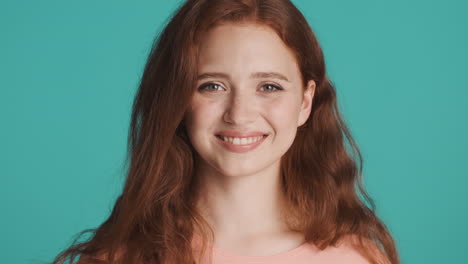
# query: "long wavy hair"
[155,218]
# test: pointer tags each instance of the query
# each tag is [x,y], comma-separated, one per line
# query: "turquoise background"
[69,71]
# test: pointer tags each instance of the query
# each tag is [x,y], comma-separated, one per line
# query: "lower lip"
[240,148]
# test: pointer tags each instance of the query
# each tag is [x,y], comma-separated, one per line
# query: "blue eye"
[276,88]
[203,87]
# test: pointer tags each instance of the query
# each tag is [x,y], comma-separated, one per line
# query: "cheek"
[200,115]
[284,111]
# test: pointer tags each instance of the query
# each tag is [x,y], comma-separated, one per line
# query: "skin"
[240,193]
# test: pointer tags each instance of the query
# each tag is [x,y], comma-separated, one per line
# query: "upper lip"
[240,134]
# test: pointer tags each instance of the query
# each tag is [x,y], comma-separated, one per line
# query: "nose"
[240,109]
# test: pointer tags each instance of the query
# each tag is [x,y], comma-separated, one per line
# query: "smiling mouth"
[241,141]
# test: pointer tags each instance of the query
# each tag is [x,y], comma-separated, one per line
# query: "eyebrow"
[256,75]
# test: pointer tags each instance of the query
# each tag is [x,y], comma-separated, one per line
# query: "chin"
[241,170]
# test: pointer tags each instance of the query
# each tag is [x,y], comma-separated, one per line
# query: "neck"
[241,206]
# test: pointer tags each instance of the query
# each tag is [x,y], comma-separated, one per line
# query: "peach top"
[304,254]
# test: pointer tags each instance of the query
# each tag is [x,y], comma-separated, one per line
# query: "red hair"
[154,219]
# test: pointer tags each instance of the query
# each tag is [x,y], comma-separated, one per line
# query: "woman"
[237,150]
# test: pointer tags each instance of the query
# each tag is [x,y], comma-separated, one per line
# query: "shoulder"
[352,251]
[101,257]
[348,250]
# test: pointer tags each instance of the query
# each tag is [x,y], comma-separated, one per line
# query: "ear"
[306,103]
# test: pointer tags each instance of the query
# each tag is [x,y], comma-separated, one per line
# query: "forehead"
[245,48]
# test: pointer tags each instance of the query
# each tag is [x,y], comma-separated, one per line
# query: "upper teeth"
[241,141]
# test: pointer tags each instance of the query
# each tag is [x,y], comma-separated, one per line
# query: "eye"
[271,88]
[204,87]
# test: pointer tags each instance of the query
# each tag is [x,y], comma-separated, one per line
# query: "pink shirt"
[303,254]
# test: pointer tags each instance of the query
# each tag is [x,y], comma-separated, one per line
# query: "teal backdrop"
[69,71]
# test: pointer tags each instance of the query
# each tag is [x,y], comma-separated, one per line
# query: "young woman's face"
[249,84]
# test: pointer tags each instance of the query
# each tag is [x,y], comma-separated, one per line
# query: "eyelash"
[277,88]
